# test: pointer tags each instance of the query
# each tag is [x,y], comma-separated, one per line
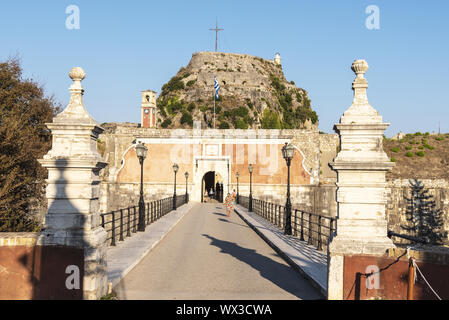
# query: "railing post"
[302,226]
[113,229]
[295,229]
[309,240]
[128,233]
[151,212]
[102,220]
[148,212]
[121,225]
[411,279]
[134,220]
[265,210]
[276,211]
[320,247]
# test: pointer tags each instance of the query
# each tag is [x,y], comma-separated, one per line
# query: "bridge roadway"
[209,256]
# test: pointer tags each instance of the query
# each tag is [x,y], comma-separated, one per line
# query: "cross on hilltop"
[216,35]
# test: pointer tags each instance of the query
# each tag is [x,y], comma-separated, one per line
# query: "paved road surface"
[210,256]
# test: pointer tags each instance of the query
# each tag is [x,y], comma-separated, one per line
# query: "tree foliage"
[24,138]
[270,120]
[424,221]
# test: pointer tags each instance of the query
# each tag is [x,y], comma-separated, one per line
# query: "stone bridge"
[178,244]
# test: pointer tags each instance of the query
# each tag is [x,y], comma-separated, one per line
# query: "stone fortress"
[217,155]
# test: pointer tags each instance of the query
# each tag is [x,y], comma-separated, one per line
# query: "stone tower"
[148,109]
[277,58]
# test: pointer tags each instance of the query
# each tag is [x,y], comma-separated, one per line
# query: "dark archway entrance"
[208,185]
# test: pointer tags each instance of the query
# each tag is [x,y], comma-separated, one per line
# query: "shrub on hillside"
[409,154]
[420,153]
[395,149]
[166,123]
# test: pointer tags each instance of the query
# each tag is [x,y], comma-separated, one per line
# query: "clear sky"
[129,46]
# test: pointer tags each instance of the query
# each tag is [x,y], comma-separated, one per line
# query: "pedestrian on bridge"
[229,203]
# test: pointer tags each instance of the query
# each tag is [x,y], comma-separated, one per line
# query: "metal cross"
[216,35]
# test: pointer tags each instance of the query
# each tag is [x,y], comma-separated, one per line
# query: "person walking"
[229,203]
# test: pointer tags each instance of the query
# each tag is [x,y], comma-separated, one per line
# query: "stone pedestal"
[73,189]
[361,166]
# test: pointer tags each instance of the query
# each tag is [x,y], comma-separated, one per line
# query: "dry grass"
[433,165]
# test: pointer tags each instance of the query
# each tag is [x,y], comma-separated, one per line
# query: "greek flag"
[217,87]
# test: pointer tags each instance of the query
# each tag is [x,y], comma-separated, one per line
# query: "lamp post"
[237,176]
[175,169]
[287,152]
[141,152]
[250,207]
[187,193]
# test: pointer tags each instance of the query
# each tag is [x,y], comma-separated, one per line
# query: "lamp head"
[141,151]
[288,151]
[175,167]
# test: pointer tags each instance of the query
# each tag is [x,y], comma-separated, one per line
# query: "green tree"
[424,220]
[270,120]
[187,118]
[24,138]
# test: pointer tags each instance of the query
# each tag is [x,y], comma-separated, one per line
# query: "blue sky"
[129,46]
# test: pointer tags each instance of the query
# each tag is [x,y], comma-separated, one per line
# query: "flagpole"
[214,109]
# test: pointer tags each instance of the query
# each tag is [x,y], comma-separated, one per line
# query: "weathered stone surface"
[245,81]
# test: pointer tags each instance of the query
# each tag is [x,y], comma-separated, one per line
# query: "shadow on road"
[227,221]
[279,274]
[219,214]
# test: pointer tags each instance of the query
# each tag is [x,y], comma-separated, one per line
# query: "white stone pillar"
[361,166]
[73,188]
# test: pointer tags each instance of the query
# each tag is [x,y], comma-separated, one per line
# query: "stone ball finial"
[360,67]
[77,74]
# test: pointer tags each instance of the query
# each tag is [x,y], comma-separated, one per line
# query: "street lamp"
[141,152]
[237,176]
[250,208]
[175,169]
[287,152]
[187,193]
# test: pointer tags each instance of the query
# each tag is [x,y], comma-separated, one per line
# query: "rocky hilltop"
[254,94]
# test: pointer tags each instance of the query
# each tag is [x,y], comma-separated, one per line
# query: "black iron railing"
[314,228]
[407,237]
[121,224]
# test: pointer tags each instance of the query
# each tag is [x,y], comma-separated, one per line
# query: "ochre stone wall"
[158,165]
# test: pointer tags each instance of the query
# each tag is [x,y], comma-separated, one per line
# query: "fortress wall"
[262,148]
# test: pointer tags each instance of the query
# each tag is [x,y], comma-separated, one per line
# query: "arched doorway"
[212,187]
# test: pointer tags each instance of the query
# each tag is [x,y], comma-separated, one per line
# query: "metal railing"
[407,237]
[121,224]
[314,228]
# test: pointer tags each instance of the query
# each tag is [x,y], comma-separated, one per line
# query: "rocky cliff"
[254,94]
